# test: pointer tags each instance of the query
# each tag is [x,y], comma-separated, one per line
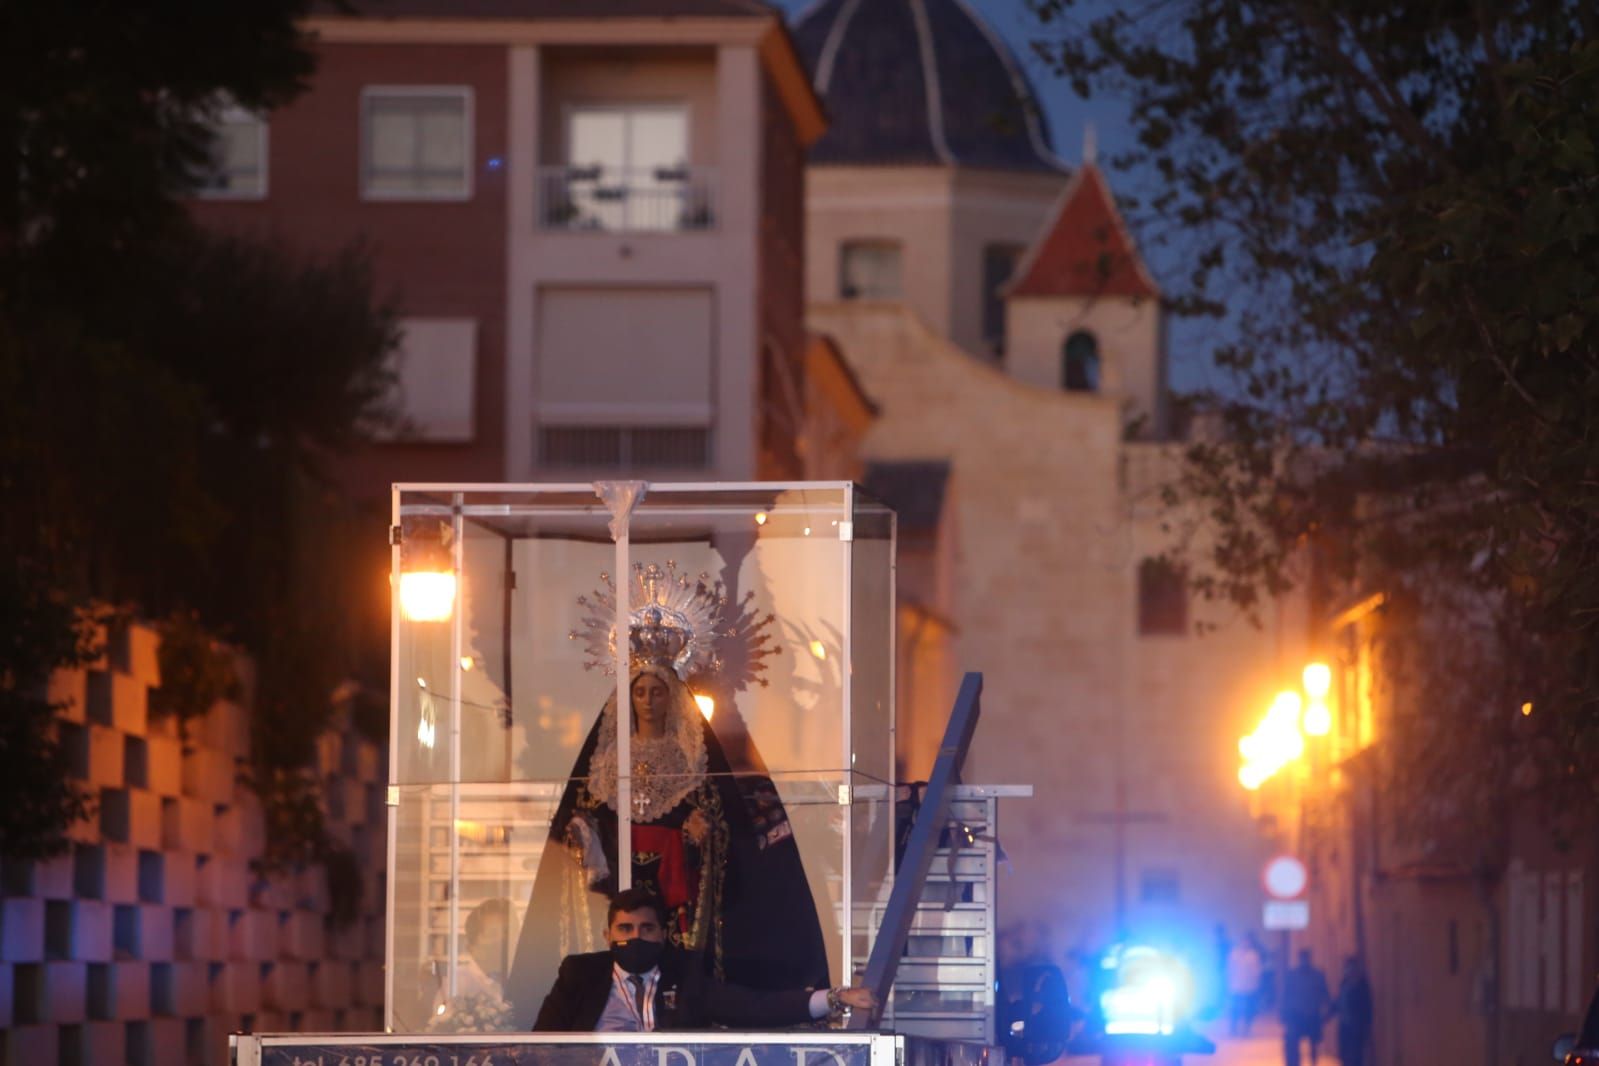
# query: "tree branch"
[1493,353]
[1492,60]
[1382,94]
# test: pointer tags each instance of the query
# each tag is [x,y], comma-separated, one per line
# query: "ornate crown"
[685,626]
[658,638]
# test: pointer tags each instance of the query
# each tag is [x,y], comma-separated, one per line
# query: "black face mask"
[636,955]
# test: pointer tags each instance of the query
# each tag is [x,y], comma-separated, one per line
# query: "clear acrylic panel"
[463,866]
[872,640]
[871,842]
[871,718]
[507,841]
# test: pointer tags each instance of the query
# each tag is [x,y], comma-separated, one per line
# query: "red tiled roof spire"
[1085,250]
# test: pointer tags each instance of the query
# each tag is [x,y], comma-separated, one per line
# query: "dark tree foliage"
[38,633]
[169,398]
[102,109]
[1392,205]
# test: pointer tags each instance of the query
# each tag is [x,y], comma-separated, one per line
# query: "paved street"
[1263,1048]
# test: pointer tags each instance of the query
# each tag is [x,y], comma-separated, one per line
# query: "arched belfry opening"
[1079,362]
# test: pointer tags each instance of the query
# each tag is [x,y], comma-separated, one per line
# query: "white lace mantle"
[665,769]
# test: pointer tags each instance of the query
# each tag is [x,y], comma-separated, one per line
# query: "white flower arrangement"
[472,1013]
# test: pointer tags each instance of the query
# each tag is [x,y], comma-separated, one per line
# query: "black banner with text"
[487,1053]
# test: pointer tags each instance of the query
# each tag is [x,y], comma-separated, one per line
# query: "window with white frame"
[435,372]
[627,169]
[869,270]
[416,143]
[237,169]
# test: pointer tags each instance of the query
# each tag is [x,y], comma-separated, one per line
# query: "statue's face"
[651,701]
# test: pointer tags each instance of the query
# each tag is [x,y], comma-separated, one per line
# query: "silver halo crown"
[675,623]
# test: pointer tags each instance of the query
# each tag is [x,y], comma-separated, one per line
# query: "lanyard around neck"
[620,980]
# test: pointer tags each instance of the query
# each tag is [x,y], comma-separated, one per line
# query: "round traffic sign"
[1284,877]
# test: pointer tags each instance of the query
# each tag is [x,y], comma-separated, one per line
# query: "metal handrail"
[615,199]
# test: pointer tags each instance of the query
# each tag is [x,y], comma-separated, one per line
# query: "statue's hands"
[697,828]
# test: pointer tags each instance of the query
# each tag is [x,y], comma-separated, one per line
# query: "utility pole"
[1119,818]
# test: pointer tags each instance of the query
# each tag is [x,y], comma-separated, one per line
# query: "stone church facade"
[997,312]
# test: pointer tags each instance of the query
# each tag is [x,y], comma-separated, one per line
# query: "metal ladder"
[944,986]
[932,962]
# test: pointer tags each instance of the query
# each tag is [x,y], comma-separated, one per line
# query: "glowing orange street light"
[1279,739]
[1317,679]
[1318,719]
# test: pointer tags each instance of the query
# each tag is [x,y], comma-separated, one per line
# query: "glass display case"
[747,629]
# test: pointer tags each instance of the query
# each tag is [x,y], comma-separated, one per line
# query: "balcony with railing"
[623,449]
[616,200]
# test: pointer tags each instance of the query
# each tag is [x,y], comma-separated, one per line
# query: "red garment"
[675,880]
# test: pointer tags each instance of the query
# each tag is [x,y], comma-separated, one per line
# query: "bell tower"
[1083,315]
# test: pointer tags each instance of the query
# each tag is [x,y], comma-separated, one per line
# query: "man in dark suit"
[643,984]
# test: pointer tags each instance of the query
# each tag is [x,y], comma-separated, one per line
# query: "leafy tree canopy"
[169,397]
[1394,205]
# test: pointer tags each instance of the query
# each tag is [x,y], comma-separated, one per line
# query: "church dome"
[920,82]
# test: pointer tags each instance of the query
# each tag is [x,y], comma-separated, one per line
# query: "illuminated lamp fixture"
[1318,719]
[706,705]
[1276,741]
[427,574]
[1285,708]
[1317,678]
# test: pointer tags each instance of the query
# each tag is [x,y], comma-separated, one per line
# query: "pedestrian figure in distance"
[1243,987]
[1353,1008]
[1216,999]
[1303,1006]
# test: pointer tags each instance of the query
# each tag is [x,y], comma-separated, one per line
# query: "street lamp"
[1279,739]
[1317,679]
[1318,719]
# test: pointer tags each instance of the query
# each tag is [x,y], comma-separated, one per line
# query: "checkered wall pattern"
[152,938]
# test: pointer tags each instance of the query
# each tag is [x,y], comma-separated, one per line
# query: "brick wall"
[151,939]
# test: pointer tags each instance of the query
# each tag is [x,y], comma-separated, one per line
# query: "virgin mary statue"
[714,843]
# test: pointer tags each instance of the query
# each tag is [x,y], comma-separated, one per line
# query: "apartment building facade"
[587,218]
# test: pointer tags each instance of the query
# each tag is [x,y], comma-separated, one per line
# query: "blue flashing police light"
[1150,994]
